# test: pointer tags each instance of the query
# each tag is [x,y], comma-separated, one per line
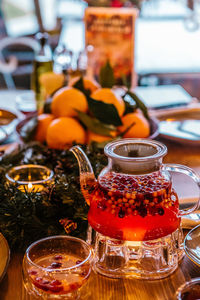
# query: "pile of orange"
[62,127]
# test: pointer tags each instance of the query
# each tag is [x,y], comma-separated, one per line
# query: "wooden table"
[102,288]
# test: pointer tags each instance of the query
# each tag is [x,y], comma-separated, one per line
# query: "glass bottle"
[43,63]
[63,61]
[79,64]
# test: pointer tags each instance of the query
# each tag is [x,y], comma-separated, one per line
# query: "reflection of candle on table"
[30,178]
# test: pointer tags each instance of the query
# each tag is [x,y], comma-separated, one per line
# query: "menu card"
[110,35]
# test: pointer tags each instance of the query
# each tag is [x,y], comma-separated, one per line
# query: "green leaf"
[130,105]
[127,129]
[138,102]
[28,131]
[95,125]
[106,76]
[104,112]
[79,85]
[47,106]
[125,81]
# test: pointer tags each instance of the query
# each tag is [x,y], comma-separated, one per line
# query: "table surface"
[11,287]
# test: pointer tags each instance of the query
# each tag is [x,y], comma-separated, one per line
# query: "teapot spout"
[87,178]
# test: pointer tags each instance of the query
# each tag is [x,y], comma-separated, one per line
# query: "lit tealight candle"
[31,187]
[30,178]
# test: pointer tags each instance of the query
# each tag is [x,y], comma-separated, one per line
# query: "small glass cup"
[190,290]
[25,102]
[57,267]
[31,178]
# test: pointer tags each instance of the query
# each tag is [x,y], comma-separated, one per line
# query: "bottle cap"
[42,37]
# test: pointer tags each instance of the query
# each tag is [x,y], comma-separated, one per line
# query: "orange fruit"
[88,83]
[140,128]
[51,81]
[63,131]
[66,100]
[43,122]
[109,96]
[94,137]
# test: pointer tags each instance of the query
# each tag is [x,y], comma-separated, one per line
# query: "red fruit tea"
[56,280]
[134,208]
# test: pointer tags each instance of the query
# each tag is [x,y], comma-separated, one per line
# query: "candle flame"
[30,185]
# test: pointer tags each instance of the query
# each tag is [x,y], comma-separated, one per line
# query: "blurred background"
[167,42]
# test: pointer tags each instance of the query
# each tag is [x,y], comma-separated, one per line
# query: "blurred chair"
[17,45]
[35,16]
[9,63]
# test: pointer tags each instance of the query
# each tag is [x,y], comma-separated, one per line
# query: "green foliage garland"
[29,216]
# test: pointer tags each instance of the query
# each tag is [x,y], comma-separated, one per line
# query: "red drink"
[56,281]
[28,112]
[57,267]
[133,200]
[134,208]
[26,103]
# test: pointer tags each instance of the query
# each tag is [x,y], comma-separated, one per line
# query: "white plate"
[181,126]
[4,256]
[183,131]
[8,122]
[192,245]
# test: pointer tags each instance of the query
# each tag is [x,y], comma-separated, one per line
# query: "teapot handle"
[189,172]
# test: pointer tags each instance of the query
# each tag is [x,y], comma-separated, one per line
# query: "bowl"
[8,122]
[154,126]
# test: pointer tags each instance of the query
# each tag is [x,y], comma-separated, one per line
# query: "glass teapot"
[133,198]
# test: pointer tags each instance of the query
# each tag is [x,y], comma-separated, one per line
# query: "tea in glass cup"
[57,267]
[190,290]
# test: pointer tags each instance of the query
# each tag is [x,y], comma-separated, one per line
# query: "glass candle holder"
[190,290]
[57,267]
[30,178]
[26,103]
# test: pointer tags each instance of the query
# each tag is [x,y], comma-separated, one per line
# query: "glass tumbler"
[57,267]
[190,290]
[26,103]
[30,178]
